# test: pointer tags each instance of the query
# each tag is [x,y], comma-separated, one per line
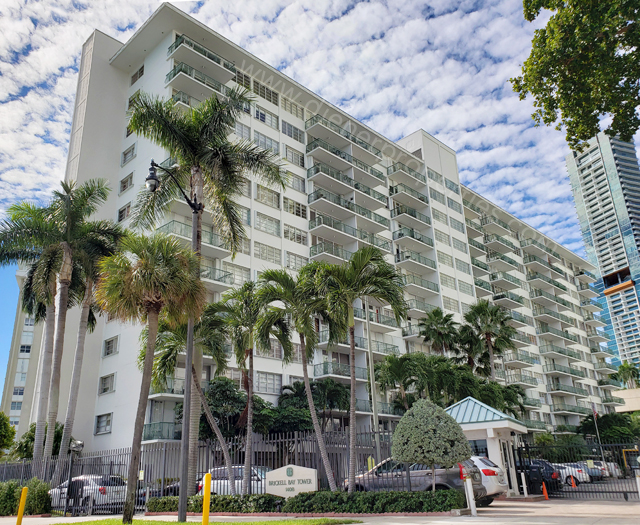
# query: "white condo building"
[349,187]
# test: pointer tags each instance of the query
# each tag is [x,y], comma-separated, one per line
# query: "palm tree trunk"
[75,377]
[433,479]
[249,445]
[352,403]
[218,433]
[403,394]
[45,375]
[492,366]
[58,348]
[136,446]
[314,418]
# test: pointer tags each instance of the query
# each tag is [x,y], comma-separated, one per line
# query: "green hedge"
[38,499]
[322,502]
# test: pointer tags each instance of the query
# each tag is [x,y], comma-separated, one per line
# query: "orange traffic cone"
[573,483]
[544,491]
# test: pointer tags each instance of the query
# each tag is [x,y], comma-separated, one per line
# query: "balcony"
[518,319]
[398,172]
[410,217]
[212,244]
[587,291]
[331,204]
[521,339]
[590,306]
[565,429]
[472,209]
[609,384]
[612,400]
[553,334]
[586,276]
[411,332]
[543,280]
[381,347]
[501,262]
[548,316]
[601,351]
[411,239]
[531,402]
[337,231]
[560,389]
[334,179]
[598,337]
[414,262]
[536,248]
[328,252]
[215,279]
[342,138]
[494,225]
[333,156]
[568,409]
[161,431]
[187,79]
[380,322]
[184,49]
[483,288]
[418,286]
[508,299]
[520,359]
[554,369]
[594,320]
[403,194]
[523,380]
[545,298]
[535,263]
[185,100]
[389,409]
[323,339]
[604,368]
[550,350]
[418,307]
[474,229]
[505,281]
[476,249]
[499,244]
[173,390]
[534,425]
[338,370]
[479,268]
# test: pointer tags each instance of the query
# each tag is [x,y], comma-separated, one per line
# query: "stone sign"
[291,480]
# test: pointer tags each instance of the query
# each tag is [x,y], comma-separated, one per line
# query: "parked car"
[595,473]
[493,479]
[613,470]
[391,475]
[538,471]
[90,493]
[220,480]
[567,470]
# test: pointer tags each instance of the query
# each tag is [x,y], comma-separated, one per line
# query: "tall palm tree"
[470,350]
[298,300]
[366,275]
[331,396]
[396,372]
[628,374]
[211,167]
[490,323]
[152,275]
[439,329]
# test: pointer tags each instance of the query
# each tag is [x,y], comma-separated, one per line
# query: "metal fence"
[589,471]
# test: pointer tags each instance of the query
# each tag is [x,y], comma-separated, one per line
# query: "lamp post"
[75,447]
[152,183]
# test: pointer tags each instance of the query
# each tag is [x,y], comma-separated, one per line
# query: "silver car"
[220,480]
[91,492]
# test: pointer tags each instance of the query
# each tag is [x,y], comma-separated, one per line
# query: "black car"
[538,471]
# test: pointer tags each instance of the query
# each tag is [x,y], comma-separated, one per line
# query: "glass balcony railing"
[474,225]
[498,276]
[319,143]
[476,244]
[523,338]
[407,255]
[206,80]
[184,230]
[479,264]
[609,382]
[531,402]
[320,167]
[574,409]
[613,399]
[528,259]
[403,188]
[488,238]
[384,348]
[410,330]
[549,348]
[183,40]
[423,283]
[169,431]
[532,242]
[406,210]
[553,367]
[534,424]
[389,409]
[587,273]
[536,292]
[489,219]
[337,369]
[319,119]
[524,357]
[586,288]
[483,284]
[603,365]
[544,328]
[321,193]
[376,317]
[215,274]
[495,256]
[185,99]
[594,333]
[590,302]
[363,405]
[601,349]
[532,276]
[517,377]
[541,310]
[508,295]
[559,387]
[330,249]
[399,166]
[336,224]
[410,232]
[172,386]
[471,206]
[360,342]
[517,316]
[417,304]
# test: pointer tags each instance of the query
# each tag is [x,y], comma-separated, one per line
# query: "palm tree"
[439,329]
[211,168]
[298,300]
[331,396]
[628,374]
[490,323]
[396,372]
[366,275]
[471,351]
[151,276]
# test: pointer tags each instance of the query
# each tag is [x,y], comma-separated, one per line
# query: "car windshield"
[386,466]
[488,462]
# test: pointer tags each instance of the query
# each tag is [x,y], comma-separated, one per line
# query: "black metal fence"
[589,471]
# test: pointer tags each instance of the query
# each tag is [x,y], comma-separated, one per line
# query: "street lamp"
[153,183]
[75,447]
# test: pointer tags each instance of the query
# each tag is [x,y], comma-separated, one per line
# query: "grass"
[315,521]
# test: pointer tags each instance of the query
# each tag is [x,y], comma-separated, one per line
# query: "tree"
[584,66]
[471,351]
[366,275]
[212,168]
[426,434]
[396,372]
[151,275]
[490,324]
[23,448]
[628,374]
[613,428]
[299,300]
[507,399]
[331,396]
[439,329]
[7,433]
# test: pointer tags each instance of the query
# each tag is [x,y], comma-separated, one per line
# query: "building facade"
[348,187]
[605,180]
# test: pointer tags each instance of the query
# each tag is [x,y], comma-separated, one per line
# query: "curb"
[454,512]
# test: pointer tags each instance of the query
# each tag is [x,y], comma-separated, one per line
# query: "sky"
[397,65]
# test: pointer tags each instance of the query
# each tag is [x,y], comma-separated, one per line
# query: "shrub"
[9,498]
[246,504]
[38,499]
[164,504]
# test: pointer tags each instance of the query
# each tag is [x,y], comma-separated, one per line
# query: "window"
[129,131]
[29,321]
[16,405]
[465,288]
[293,132]
[246,188]
[128,154]
[245,246]
[446,280]
[107,384]
[450,304]
[459,245]
[264,92]
[245,215]
[268,197]
[22,365]
[446,259]
[437,196]
[293,108]
[266,142]
[137,75]
[25,349]
[236,376]
[439,216]
[126,183]
[295,234]
[434,176]
[297,209]
[243,131]
[27,337]
[21,377]
[465,307]
[132,99]
[455,206]
[442,237]
[267,253]
[452,185]
[14,421]
[110,347]
[263,115]
[124,212]
[18,391]
[243,79]
[463,267]
[240,274]
[268,383]
[456,224]
[296,183]
[295,261]
[294,157]
[274,351]
[267,224]
[103,424]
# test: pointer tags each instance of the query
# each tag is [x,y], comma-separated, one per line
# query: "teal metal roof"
[470,411]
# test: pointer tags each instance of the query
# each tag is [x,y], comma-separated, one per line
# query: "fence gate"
[588,471]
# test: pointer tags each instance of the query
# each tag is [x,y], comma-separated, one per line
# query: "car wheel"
[86,506]
[360,488]
[484,502]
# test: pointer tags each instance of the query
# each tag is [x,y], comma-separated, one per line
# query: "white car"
[92,492]
[220,480]
[493,479]
[566,470]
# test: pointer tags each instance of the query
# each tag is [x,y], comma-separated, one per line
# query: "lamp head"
[76,446]
[152,182]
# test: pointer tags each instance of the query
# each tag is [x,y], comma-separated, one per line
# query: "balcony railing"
[331,249]
[533,242]
[208,81]
[320,167]
[399,166]
[534,424]
[594,333]
[319,143]
[483,284]
[603,364]
[472,206]
[384,348]
[519,355]
[363,405]
[521,378]
[401,209]
[183,40]
[523,338]
[549,348]
[319,119]
[418,281]
[410,232]
[215,274]
[553,367]
[546,329]
[489,219]
[410,330]
[575,409]
[389,409]
[173,386]
[184,230]
[337,369]
[185,99]
[374,317]
[476,244]
[509,295]
[609,382]
[360,342]
[532,276]
[587,273]
[417,304]
[474,225]
[321,193]
[480,264]
[517,316]
[528,258]
[531,402]
[541,310]
[416,257]
[613,399]
[497,276]
[590,302]
[336,224]
[171,431]
[496,238]
[586,288]
[403,188]
[495,256]
[559,387]
[537,292]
